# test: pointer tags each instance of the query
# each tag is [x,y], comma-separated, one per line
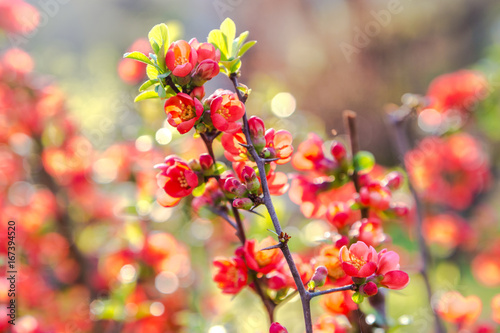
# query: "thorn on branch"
[276,246]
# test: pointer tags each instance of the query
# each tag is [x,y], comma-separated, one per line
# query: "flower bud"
[393,180]
[338,150]
[194,164]
[400,209]
[277,328]
[318,278]
[234,186]
[206,161]
[276,281]
[338,214]
[243,203]
[368,289]
[198,92]
[206,70]
[257,131]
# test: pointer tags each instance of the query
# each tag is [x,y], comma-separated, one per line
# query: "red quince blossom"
[457,91]
[339,303]
[205,51]
[388,268]
[328,324]
[370,231]
[225,110]
[495,307]
[183,111]
[375,196]
[310,157]
[181,58]
[486,266]
[231,275]
[176,178]
[262,261]
[279,145]
[132,71]
[339,214]
[329,257]
[449,171]
[457,309]
[359,260]
[447,230]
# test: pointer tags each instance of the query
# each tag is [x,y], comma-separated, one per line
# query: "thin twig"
[333,290]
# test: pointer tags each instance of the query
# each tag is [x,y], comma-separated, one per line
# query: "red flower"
[370,231]
[328,324]
[262,261]
[309,156]
[457,309]
[339,303]
[206,70]
[359,260]
[176,178]
[449,171]
[205,50]
[132,71]
[225,110]
[457,91]
[388,267]
[279,145]
[181,58]
[338,214]
[183,111]
[231,275]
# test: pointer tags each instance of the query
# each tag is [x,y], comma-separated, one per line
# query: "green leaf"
[146,95]
[147,84]
[197,192]
[228,29]
[159,34]
[219,168]
[217,39]
[136,55]
[246,47]
[152,72]
[241,38]
[164,75]
[160,91]
[235,66]
[156,47]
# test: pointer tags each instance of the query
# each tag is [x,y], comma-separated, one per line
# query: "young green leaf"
[160,91]
[147,84]
[217,39]
[159,34]
[146,95]
[136,55]
[246,47]
[228,29]
[152,72]
[198,191]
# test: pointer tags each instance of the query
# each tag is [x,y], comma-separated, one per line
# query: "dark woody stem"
[304,294]
[403,146]
[333,290]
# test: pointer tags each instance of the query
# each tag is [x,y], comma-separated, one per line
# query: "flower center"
[223,111]
[356,262]
[187,112]
[182,181]
[180,60]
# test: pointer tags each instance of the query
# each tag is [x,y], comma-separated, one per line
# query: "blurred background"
[79,182]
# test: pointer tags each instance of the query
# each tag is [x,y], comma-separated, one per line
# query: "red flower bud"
[368,289]
[338,150]
[277,328]
[393,180]
[319,277]
[243,203]
[206,70]
[198,92]
[206,161]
